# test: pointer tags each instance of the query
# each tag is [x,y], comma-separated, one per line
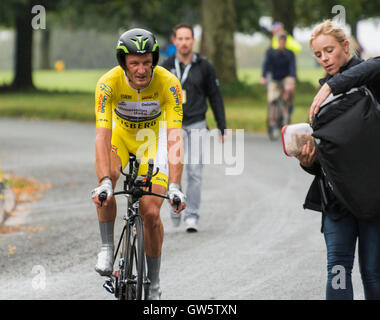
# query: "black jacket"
[200,84]
[353,74]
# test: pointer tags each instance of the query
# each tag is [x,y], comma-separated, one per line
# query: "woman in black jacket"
[340,227]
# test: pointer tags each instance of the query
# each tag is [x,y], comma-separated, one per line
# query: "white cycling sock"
[154,271]
[106,233]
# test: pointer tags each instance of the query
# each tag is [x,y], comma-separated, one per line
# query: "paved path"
[255,240]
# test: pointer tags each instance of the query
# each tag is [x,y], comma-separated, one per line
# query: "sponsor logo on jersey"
[152,96]
[154,111]
[125,96]
[106,89]
[175,94]
[102,120]
[138,111]
[179,92]
[176,91]
[137,125]
[102,103]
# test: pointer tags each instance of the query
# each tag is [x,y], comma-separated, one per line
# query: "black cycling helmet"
[137,41]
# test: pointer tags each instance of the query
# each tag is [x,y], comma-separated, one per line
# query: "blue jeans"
[341,236]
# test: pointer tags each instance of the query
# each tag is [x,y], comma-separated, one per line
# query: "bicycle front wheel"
[135,261]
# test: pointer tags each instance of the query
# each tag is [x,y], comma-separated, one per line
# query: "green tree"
[248,13]
[157,15]
[18,14]
[313,11]
[284,11]
[218,27]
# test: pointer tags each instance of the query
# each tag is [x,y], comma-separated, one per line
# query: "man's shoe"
[191,224]
[104,265]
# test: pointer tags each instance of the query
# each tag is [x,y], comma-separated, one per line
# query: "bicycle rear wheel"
[134,261]
[274,119]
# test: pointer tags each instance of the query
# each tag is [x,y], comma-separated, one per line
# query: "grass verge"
[245,101]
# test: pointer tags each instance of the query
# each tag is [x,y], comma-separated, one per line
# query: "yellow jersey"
[139,118]
[132,109]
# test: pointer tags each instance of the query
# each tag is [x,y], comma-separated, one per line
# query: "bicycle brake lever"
[177,201]
[150,171]
[136,169]
[157,171]
[102,197]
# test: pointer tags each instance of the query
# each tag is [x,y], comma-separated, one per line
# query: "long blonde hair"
[331,28]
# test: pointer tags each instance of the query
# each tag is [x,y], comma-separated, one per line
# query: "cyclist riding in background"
[291,44]
[138,107]
[279,74]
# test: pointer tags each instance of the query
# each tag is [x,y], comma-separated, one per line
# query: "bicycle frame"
[133,189]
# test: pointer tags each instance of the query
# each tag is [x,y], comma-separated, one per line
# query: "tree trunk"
[44,62]
[284,11]
[218,28]
[23,49]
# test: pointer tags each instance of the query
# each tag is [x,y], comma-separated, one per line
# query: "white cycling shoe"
[154,292]
[153,265]
[104,265]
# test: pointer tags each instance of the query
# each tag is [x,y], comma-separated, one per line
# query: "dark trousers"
[341,236]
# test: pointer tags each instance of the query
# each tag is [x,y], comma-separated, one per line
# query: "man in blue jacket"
[279,73]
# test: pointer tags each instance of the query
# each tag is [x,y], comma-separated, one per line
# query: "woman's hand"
[321,96]
[307,155]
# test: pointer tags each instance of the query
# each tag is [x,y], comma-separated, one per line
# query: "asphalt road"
[255,240]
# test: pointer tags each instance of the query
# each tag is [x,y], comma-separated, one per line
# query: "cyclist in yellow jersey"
[138,107]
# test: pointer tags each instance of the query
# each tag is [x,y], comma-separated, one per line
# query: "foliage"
[248,13]
[312,11]
[159,16]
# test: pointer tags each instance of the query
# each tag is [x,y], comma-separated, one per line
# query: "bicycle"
[275,114]
[130,281]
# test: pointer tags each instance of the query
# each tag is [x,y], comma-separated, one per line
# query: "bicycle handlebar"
[137,184]
[103,195]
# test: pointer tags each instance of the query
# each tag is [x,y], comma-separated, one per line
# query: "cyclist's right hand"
[106,187]
[263,81]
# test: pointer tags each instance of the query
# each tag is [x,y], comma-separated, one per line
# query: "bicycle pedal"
[108,285]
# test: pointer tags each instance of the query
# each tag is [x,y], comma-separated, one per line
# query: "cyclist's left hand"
[321,96]
[174,190]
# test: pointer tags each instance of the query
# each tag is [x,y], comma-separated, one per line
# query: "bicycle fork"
[114,282]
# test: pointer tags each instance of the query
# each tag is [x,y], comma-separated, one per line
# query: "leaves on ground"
[25,190]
